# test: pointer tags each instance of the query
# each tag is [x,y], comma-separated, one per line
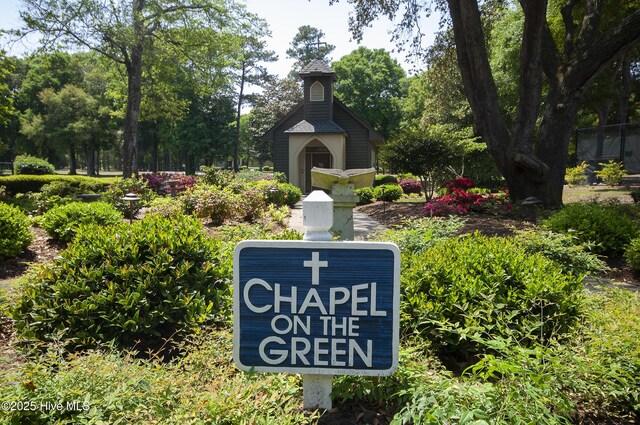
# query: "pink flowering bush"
[410,186]
[158,182]
[461,183]
[457,200]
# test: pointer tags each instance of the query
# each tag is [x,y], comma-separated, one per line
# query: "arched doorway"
[316,155]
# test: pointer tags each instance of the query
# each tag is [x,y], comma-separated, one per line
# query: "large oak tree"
[530,146]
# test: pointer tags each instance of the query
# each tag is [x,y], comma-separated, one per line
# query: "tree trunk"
[622,114]
[91,161]
[237,139]
[72,159]
[134,96]
[97,161]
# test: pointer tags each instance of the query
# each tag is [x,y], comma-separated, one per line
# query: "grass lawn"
[596,193]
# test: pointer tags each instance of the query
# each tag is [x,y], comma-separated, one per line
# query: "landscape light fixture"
[132,199]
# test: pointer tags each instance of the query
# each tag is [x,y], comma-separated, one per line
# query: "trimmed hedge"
[62,222]
[388,192]
[26,183]
[25,164]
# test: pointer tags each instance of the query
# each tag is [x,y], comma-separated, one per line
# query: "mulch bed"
[42,249]
[392,214]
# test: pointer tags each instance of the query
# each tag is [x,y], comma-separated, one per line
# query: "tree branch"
[603,51]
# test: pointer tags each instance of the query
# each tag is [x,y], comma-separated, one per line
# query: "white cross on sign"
[315,265]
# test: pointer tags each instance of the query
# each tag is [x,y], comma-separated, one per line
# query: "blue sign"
[316,307]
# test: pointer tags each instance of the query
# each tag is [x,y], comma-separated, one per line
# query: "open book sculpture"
[325,178]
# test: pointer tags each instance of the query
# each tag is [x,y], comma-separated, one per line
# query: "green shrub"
[485,287]
[365,194]
[381,179]
[215,203]
[278,194]
[121,187]
[564,249]
[388,192]
[287,194]
[3,191]
[25,164]
[15,236]
[251,204]
[576,176]
[58,192]
[280,177]
[611,173]
[604,227]
[26,183]
[632,254]
[165,207]
[62,222]
[153,280]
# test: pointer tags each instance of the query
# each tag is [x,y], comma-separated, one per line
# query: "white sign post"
[316,307]
[317,210]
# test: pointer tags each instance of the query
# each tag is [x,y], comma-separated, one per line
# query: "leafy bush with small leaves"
[58,192]
[279,194]
[165,207]
[486,286]
[611,173]
[62,222]
[121,187]
[410,186]
[215,203]
[26,164]
[632,254]
[277,214]
[251,204]
[365,194]
[15,236]
[564,249]
[577,176]
[3,191]
[134,284]
[388,192]
[603,228]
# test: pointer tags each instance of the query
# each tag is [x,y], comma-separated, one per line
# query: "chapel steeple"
[318,78]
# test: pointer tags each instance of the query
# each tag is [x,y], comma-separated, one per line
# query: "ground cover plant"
[14,231]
